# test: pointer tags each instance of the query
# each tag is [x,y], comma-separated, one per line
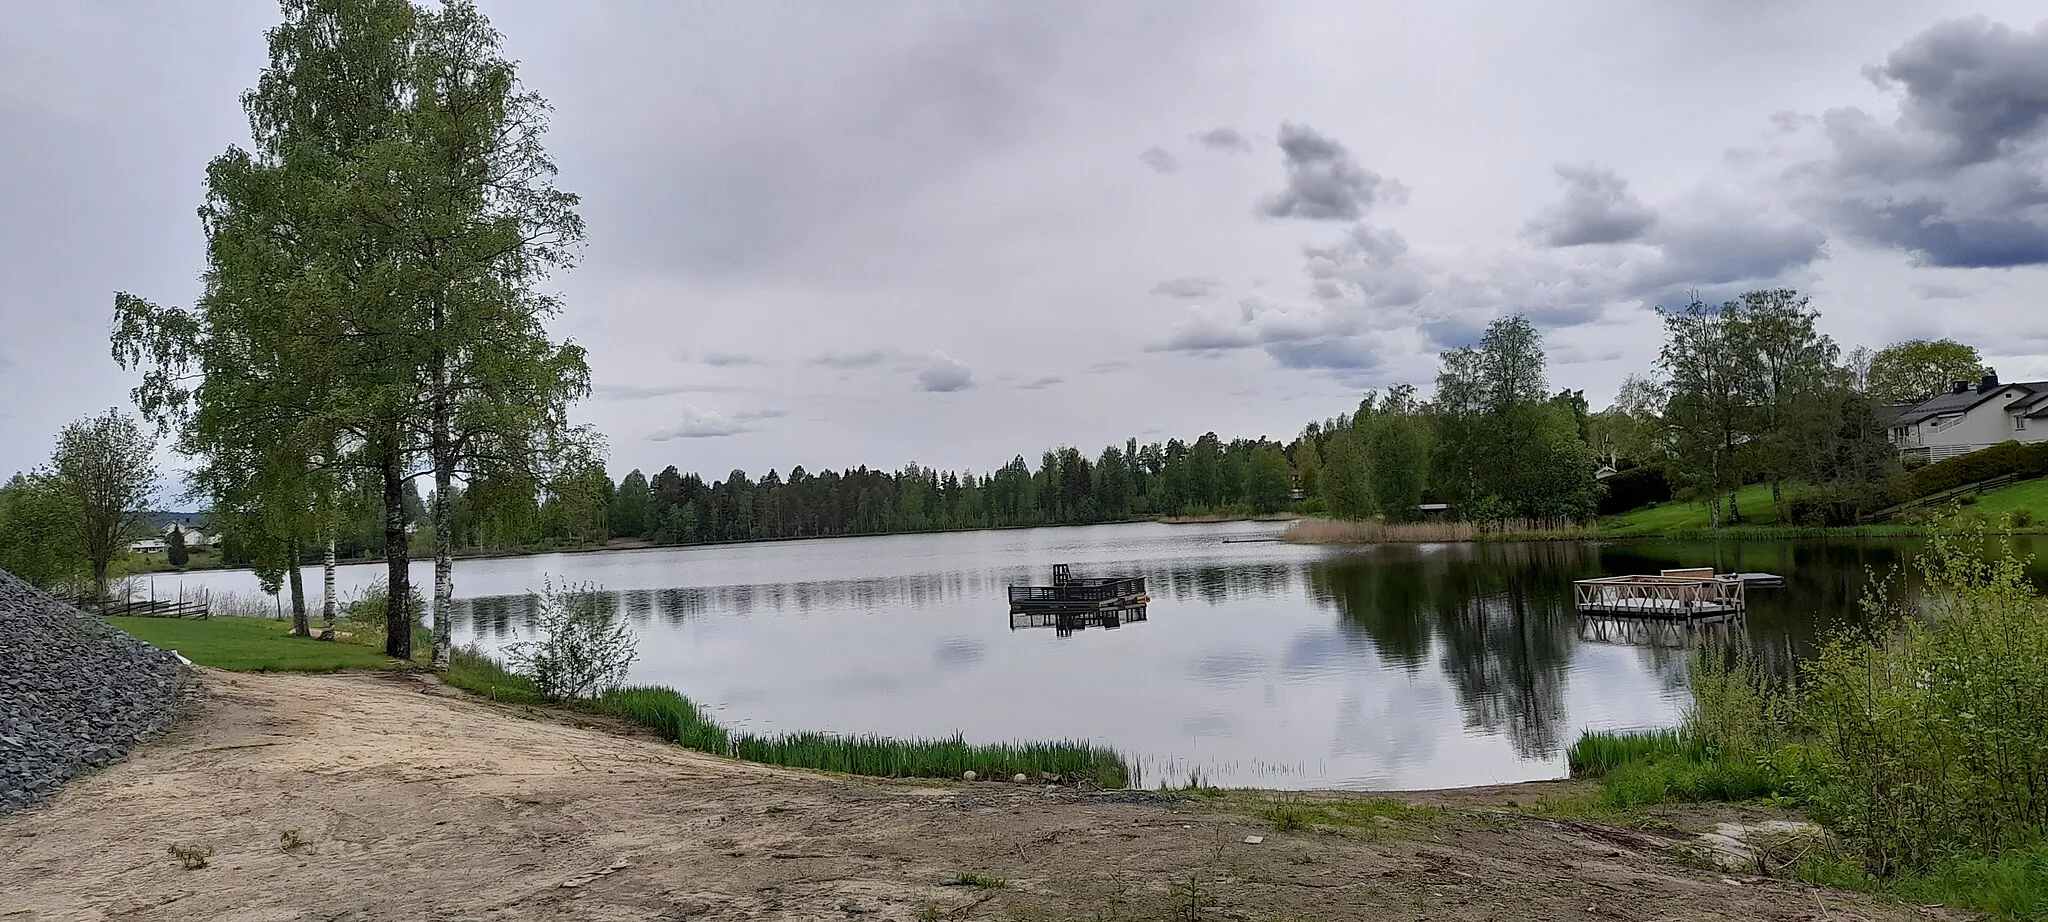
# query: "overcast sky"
[875,233]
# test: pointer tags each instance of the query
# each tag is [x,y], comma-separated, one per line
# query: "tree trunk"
[328,603]
[397,563]
[1778,501]
[299,626]
[444,566]
[1734,510]
[444,479]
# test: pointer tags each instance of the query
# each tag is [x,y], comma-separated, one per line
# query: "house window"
[2019,423]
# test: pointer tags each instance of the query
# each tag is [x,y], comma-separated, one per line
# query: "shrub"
[2022,518]
[1983,464]
[363,618]
[583,648]
[1935,727]
[1635,488]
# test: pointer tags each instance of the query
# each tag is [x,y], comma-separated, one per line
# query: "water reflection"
[1258,663]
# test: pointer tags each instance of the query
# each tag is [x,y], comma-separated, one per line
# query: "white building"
[194,539]
[1970,417]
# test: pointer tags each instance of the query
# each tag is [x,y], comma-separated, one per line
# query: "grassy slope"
[251,645]
[1680,516]
[2031,495]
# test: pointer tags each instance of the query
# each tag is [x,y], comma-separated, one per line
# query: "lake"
[1257,663]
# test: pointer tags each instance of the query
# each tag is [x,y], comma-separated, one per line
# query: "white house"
[194,539]
[1970,417]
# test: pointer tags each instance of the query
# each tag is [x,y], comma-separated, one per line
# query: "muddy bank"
[381,797]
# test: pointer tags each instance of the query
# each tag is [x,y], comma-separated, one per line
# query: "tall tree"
[105,469]
[1712,378]
[1917,369]
[1794,362]
[40,538]
[1268,479]
[632,507]
[1347,487]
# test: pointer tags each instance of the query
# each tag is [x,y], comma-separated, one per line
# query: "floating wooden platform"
[1687,594]
[1069,593]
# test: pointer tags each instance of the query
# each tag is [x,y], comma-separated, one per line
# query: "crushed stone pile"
[75,693]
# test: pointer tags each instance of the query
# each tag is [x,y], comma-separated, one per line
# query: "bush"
[1935,727]
[583,648]
[1635,488]
[1983,464]
[363,618]
[2022,518]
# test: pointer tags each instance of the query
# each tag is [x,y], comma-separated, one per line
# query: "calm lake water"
[1257,663]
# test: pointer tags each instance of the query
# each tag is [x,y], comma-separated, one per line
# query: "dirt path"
[414,804]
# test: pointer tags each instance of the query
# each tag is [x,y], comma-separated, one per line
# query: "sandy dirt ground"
[371,797]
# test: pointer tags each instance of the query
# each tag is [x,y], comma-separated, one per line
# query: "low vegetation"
[251,645]
[1374,531]
[1921,742]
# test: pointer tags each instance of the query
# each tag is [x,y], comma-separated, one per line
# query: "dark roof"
[1954,403]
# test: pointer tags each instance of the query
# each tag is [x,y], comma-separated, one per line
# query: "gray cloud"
[1159,160]
[650,391]
[867,358]
[1324,183]
[1223,138]
[698,423]
[1956,179]
[1041,383]
[1188,286]
[1597,208]
[728,359]
[945,374]
[750,416]
[1102,368]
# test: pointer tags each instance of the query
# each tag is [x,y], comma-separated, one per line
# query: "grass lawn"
[130,563]
[2031,495]
[252,645]
[1681,515]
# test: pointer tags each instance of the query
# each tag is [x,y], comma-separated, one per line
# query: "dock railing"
[1661,595]
[1081,590]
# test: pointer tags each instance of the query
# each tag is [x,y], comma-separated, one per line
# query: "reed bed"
[1598,753]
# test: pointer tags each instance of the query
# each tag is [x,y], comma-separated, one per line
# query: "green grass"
[1640,769]
[252,645]
[945,758]
[1596,754]
[1689,515]
[478,674]
[2031,495]
[2013,885]
[977,881]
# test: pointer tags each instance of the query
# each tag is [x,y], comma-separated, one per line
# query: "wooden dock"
[1687,594]
[1070,593]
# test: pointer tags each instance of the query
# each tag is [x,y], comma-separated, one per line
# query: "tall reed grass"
[681,721]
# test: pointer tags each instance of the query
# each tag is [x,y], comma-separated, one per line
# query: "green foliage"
[473,671]
[675,717]
[977,881]
[1347,489]
[1635,488]
[1294,813]
[1596,754]
[948,758]
[583,647]
[1268,480]
[105,470]
[1936,726]
[39,539]
[1918,369]
[1983,464]
[251,645]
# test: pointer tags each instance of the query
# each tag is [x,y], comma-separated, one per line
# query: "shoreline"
[448,805]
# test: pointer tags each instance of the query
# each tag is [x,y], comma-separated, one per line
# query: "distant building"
[194,540]
[1971,417]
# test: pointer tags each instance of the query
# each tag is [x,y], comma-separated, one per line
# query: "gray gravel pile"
[75,693]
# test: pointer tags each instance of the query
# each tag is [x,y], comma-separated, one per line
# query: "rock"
[1020,778]
[968,775]
[75,693]
[1254,840]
